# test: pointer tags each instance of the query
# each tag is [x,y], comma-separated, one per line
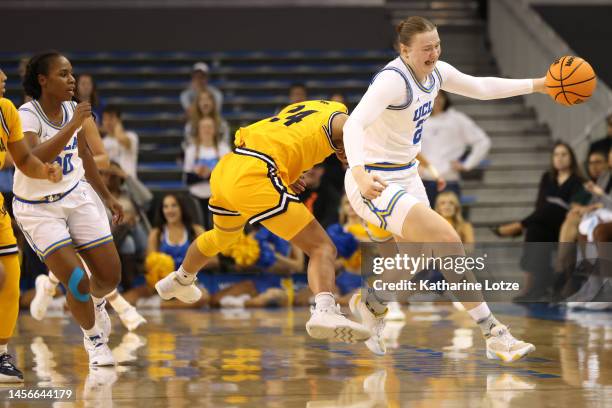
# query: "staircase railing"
[524,46]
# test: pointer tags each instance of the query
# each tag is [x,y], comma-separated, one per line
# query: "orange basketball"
[570,80]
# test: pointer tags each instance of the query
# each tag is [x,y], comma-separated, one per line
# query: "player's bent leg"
[9,305]
[326,321]
[181,283]
[71,272]
[103,265]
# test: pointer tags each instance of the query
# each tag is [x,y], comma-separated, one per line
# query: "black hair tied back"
[37,65]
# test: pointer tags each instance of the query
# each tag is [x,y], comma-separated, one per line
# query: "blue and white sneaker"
[99,352]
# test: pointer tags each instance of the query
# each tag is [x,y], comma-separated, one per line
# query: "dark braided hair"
[37,65]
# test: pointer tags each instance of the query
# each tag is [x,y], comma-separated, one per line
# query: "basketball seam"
[577,94]
[574,83]
[552,75]
[571,73]
[561,80]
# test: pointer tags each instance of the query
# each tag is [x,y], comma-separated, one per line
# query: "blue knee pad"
[73,285]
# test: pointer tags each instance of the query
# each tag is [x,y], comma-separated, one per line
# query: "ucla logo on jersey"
[72,145]
[420,115]
[423,111]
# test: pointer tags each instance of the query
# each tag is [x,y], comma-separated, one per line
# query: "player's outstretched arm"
[457,82]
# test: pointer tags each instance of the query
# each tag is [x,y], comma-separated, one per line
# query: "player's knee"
[600,234]
[108,282]
[78,284]
[446,236]
[323,248]
[214,241]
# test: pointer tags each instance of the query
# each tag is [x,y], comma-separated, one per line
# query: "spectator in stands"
[201,157]
[121,145]
[322,199]
[297,93]
[167,246]
[86,91]
[559,188]
[446,136]
[605,144]
[596,164]
[204,106]
[596,227]
[448,206]
[130,235]
[199,82]
[338,97]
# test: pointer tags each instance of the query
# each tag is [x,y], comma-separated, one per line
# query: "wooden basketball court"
[264,358]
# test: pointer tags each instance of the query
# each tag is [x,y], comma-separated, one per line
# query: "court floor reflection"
[263,358]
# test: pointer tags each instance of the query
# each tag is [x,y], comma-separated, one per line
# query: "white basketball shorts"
[76,217]
[388,211]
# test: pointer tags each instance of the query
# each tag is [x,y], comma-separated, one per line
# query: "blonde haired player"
[252,185]
[382,139]
[11,138]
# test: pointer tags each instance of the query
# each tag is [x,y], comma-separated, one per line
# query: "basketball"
[570,80]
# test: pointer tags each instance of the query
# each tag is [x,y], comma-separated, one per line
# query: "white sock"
[324,300]
[480,312]
[53,279]
[484,318]
[374,305]
[3,349]
[184,277]
[97,301]
[93,332]
[118,302]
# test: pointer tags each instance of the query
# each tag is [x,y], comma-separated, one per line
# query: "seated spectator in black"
[322,199]
[605,144]
[559,187]
[201,157]
[121,145]
[199,82]
[167,246]
[130,236]
[86,91]
[446,137]
[204,106]
[597,164]
[297,93]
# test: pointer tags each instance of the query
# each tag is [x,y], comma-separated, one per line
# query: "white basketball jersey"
[395,136]
[33,119]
